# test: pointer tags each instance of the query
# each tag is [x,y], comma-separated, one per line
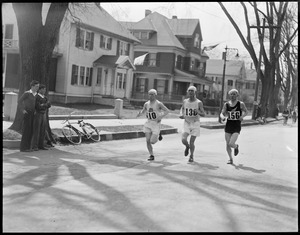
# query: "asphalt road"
[111,187]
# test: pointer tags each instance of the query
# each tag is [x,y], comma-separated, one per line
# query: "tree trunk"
[36,43]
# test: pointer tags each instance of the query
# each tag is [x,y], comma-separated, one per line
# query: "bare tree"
[289,61]
[274,13]
[37,42]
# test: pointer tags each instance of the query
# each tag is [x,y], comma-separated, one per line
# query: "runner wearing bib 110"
[155,111]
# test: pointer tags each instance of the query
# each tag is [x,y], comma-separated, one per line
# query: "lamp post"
[223,78]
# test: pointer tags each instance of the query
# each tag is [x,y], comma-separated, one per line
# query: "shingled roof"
[166,29]
[98,18]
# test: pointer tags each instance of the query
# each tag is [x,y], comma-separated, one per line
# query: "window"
[136,34]
[84,39]
[82,75]
[123,48]
[160,86]
[197,41]
[74,79]
[144,35]
[99,76]
[142,85]
[105,42]
[192,65]
[179,63]
[121,81]
[152,59]
[9,31]
[85,75]
[230,83]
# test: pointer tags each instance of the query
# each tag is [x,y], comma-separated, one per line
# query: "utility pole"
[223,78]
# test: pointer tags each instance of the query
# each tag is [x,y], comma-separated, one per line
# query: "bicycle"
[74,136]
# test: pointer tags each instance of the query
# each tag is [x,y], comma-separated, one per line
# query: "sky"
[215,26]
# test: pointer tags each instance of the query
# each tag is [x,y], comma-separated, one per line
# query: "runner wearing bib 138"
[190,111]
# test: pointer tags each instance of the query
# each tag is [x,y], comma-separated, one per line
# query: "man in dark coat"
[27,107]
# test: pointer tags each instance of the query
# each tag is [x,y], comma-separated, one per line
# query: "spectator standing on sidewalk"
[41,105]
[235,111]
[155,111]
[191,110]
[27,107]
[294,116]
[285,115]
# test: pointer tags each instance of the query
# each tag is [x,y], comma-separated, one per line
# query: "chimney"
[147,12]
[174,17]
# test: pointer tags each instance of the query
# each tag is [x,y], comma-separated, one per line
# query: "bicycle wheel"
[94,132]
[71,134]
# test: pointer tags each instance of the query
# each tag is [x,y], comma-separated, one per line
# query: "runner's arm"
[142,111]
[165,109]
[201,109]
[244,111]
[223,113]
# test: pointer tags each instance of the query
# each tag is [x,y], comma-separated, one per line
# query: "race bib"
[151,115]
[191,112]
[234,115]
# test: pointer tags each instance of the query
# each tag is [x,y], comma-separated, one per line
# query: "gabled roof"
[166,29]
[233,67]
[183,27]
[97,17]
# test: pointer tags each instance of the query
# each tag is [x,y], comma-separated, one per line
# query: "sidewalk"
[176,124]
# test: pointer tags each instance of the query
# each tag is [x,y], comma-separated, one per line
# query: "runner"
[235,111]
[155,111]
[190,111]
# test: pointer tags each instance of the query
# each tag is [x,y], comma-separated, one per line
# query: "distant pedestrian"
[41,106]
[294,116]
[155,111]
[235,111]
[27,107]
[285,115]
[191,110]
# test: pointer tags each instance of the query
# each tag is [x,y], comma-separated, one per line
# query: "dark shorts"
[233,127]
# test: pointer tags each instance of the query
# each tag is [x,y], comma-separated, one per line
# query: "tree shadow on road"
[247,168]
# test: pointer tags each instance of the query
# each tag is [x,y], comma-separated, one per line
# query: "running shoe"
[186,151]
[151,158]
[236,150]
[191,159]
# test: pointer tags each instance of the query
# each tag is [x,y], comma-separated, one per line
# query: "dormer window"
[197,41]
[142,35]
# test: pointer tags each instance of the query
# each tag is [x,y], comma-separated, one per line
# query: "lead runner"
[155,111]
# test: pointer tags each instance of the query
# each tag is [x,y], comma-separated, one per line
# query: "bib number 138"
[234,115]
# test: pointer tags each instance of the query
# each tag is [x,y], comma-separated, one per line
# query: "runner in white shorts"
[190,111]
[155,111]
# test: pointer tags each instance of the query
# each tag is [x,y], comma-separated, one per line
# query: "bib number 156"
[234,115]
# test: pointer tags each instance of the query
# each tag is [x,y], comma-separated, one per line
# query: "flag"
[209,48]
[140,60]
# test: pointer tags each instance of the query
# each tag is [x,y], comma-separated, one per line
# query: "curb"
[15,144]
[83,116]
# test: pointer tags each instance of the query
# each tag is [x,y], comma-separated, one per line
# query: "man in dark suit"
[27,107]
[39,123]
